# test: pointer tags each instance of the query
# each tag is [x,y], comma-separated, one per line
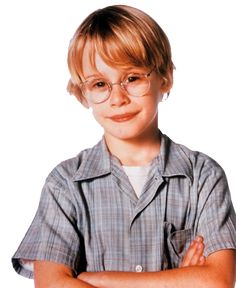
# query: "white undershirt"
[137,176]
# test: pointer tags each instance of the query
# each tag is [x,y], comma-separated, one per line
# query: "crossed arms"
[215,271]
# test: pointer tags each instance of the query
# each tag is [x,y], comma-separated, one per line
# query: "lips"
[122,117]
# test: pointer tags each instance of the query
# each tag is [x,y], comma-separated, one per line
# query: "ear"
[76,91]
[167,82]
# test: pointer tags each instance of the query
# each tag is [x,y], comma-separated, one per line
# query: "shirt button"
[138,268]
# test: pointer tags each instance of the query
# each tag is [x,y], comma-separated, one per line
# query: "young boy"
[137,201]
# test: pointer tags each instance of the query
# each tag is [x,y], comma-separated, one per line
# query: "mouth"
[122,117]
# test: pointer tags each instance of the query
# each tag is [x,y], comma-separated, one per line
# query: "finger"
[195,260]
[202,261]
[199,239]
[198,257]
[189,254]
[194,252]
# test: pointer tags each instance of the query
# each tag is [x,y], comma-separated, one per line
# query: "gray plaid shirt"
[90,218]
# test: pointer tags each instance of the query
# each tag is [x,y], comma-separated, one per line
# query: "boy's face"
[122,116]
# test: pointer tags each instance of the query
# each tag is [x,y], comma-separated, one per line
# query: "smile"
[123,117]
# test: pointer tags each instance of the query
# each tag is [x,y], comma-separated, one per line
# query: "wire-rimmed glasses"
[98,90]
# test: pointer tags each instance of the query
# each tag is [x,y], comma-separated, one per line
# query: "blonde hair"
[122,36]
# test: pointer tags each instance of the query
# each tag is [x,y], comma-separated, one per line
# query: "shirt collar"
[95,162]
[172,161]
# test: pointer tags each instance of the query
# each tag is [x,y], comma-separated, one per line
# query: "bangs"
[122,39]
[122,49]
[118,50]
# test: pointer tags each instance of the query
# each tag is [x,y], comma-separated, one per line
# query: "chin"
[124,134]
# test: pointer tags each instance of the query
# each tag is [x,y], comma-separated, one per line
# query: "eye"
[133,78]
[99,84]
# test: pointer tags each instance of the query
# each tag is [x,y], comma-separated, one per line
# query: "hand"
[194,255]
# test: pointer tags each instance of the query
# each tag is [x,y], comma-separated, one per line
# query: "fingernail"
[202,258]
[199,238]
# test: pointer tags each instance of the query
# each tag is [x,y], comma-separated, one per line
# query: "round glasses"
[98,90]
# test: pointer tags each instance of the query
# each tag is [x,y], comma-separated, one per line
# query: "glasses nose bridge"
[118,97]
[121,84]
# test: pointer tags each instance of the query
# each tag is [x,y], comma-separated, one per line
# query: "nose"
[118,96]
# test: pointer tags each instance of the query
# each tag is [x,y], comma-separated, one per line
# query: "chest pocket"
[176,244]
[178,224]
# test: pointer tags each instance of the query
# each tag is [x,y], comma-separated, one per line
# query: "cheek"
[155,91]
[150,103]
[152,109]
[97,113]
[157,96]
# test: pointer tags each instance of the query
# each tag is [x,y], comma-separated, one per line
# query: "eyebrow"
[126,73]
[95,76]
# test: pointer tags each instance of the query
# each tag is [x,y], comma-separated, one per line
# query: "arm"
[49,275]
[53,275]
[217,272]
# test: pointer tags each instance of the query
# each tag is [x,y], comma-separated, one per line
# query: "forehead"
[94,63]
[91,61]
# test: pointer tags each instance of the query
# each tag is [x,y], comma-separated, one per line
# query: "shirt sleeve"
[53,234]
[216,220]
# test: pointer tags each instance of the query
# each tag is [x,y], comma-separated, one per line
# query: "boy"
[136,201]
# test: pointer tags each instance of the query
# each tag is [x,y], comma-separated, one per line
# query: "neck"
[134,152]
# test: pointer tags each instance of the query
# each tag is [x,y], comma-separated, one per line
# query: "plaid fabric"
[90,218]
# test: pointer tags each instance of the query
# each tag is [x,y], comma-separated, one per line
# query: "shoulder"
[66,170]
[197,162]
[200,159]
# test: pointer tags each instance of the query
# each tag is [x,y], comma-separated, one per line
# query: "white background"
[42,125]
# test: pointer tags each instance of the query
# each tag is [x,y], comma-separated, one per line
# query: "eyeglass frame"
[121,83]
